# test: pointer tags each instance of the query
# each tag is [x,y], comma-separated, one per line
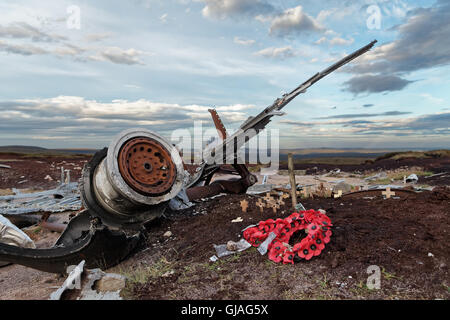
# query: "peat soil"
[406,238]
[31,172]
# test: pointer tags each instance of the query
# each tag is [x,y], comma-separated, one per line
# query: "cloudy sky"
[74,73]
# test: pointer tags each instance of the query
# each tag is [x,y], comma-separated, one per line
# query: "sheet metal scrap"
[222,250]
[87,290]
[66,197]
[131,182]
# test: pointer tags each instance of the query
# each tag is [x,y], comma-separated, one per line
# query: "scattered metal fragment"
[265,178]
[248,227]
[180,201]
[73,281]
[102,286]
[222,250]
[265,245]
[384,186]
[238,219]
[168,234]
[436,175]
[4,166]
[412,178]
[260,188]
[97,286]
[232,246]
[342,186]
[65,197]
[378,176]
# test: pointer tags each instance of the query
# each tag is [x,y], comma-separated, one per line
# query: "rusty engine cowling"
[131,182]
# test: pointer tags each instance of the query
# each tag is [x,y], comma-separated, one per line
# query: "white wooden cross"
[388,193]
[305,193]
[339,194]
[274,205]
[285,195]
[244,205]
[268,198]
[260,204]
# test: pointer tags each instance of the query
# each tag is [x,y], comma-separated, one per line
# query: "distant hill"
[299,154]
[39,150]
[338,150]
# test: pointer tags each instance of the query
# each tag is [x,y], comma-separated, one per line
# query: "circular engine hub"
[132,181]
[147,166]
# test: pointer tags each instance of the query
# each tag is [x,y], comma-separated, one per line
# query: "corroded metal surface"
[147,166]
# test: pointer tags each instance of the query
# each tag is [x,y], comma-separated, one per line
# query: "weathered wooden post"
[292,180]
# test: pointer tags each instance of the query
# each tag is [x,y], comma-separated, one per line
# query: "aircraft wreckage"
[132,182]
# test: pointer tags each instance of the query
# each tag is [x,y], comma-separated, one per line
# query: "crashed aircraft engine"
[134,181]
[131,182]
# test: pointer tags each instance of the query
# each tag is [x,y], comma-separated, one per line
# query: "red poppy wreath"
[315,223]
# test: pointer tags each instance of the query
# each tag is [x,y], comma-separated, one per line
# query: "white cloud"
[222,9]
[96,37]
[132,86]
[336,41]
[85,122]
[294,20]
[272,52]
[341,41]
[120,56]
[24,38]
[244,42]
[82,108]
[22,49]
[432,98]
[69,50]
[23,30]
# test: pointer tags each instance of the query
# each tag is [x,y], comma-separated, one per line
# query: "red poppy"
[318,241]
[275,257]
[305,253]
[315,248]
[276,251]
[288,257]
[326,234]
[313,229]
